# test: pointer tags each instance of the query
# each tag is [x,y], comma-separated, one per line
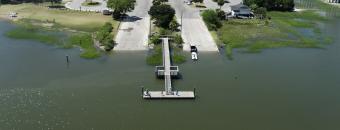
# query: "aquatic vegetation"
[156,56]
[32,34]
[53,37]
[85,42]
[283,29]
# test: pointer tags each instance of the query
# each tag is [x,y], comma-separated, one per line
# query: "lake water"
[278,89]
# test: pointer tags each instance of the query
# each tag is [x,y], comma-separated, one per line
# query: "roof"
[240,7]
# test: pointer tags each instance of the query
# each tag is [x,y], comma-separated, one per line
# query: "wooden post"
[67,59]
[142,91]
[194,91]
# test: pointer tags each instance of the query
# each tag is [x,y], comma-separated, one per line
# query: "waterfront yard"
[39,23]
[283,29]
[75,20]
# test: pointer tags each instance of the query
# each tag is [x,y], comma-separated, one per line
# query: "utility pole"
[181,23]
[150,27]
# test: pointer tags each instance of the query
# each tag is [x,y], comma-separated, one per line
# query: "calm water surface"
[278,89]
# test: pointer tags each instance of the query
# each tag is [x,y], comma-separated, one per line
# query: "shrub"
[211,19]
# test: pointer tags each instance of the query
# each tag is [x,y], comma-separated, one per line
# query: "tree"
[158,2]
[261,12]
[220,3]
[221,14]
[253,6]
[279,5]
[210,17]
[178,39]
[120,7]
[173,26]
[162,14]
[197,1]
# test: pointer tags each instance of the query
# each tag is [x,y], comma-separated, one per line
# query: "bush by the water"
[211,19]
[86,43]
[105,37]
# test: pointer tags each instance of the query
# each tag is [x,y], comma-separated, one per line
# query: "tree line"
[272,5]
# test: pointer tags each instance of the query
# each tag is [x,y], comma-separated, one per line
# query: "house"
[334,1]
[241,11]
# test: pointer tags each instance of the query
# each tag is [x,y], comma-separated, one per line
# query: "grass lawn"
[285,29]
[75,20]
[37,22]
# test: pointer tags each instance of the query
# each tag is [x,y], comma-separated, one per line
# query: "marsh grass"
[283,30]
[85,42]
[32,34]
[156,56]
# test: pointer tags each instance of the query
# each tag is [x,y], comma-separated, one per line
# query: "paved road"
[76,5]
[194,30]
[134,30]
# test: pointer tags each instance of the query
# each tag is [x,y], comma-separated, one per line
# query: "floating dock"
[167,71]
[163,95]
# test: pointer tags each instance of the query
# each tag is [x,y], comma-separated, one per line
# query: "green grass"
[155,58]
[283,30]
[177,55]
[75,20]
[32,34]
[85,42]
[178,58]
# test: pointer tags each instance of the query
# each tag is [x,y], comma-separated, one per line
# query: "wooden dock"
[167,71]
[163,95]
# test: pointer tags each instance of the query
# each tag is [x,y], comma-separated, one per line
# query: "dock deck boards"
[163,95]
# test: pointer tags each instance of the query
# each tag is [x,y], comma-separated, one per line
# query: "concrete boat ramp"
[167,71]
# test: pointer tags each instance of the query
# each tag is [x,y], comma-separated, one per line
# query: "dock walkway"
[167,71]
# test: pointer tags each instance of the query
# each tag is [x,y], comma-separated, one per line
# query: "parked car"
[107,12]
